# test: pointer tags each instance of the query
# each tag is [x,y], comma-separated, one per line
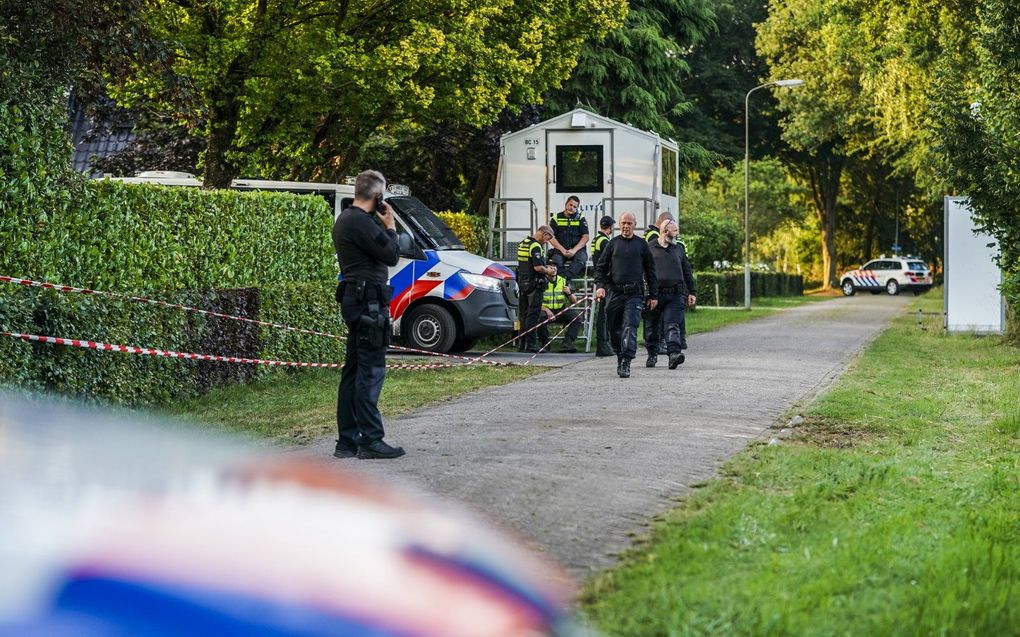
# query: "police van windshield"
[426,223]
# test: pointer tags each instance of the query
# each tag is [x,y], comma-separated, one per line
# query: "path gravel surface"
[577,461]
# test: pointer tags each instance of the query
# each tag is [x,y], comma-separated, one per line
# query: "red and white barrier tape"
[548,344]
[140,299]
[151,351]
[529,330]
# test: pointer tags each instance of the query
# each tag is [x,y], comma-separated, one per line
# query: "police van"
[444,297]
[892,274]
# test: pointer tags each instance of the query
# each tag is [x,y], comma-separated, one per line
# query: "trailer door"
[579,162]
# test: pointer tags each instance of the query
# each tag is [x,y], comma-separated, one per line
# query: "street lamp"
[747,184]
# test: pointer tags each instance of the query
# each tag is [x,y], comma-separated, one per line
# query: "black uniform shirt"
[364,248]
[668,265]
[627,261]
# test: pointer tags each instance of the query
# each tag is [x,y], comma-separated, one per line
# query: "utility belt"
[627,288]
[362,291]
[373,328]
[673,289]
[531,284]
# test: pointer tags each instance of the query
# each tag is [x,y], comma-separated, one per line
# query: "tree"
[976,115]
[723,67]
[635,73]
[292,89]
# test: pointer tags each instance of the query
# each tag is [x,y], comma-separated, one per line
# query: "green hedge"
[137,379]
[118,236]
[731,286]
[472,230]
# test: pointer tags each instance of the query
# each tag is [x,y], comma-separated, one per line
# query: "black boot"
[652,359]
[623,367]
[675,359]
[345,448]
[379,450]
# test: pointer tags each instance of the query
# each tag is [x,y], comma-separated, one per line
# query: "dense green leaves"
[976,112]
[125,237]
[292,89]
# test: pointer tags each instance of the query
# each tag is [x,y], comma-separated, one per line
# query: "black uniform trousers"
[569,269]
[530,305]
[361,378]
[667,317]
[623,313]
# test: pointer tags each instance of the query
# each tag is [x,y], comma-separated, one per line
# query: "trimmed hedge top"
[129,237]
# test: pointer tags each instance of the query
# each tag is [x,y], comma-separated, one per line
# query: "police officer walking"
[570,235]
[365,239]
[673,271]
[652,236]
[598,246]
[626,261]
[531,281]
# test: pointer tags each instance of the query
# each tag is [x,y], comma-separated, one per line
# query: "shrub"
[138,379]
[731,286]
[472,230]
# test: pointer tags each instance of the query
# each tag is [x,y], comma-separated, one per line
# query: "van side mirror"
[407,247]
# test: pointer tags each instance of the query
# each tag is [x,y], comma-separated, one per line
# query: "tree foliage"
[282,88]
[723,67]
[636,72]
[976,112]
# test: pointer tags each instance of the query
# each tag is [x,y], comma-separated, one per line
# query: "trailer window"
[669,168]
[579,169]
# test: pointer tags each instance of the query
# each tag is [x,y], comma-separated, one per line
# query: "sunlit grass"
[894,509]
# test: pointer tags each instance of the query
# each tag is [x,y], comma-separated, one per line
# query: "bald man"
[625,264]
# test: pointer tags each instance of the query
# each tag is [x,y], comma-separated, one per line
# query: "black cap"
[606,221]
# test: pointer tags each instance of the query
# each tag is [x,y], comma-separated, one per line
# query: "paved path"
[577,460]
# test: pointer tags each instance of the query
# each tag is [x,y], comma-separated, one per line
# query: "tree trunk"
[223,117]
[485,189]
[825,172]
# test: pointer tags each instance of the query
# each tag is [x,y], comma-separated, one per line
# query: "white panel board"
[972,299]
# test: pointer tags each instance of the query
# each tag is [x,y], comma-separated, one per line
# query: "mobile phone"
[379,205]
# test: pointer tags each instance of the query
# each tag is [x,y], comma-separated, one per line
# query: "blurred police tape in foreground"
[120,524]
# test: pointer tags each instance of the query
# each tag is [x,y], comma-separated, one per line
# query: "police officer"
[602,238]
[554,303]
[674,275]
[652,236]
[625,262]
[531,281]
[570,235]
[365,239]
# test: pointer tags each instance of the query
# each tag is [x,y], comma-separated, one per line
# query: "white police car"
[893,274]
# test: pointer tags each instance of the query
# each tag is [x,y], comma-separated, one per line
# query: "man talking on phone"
[365,238]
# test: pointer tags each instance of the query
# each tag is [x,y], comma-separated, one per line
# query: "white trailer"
[612,167]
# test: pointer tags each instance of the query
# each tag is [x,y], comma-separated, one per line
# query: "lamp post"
[747,183]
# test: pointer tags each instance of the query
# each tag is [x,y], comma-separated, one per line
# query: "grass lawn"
[706,319]
[893,509]
[301,408]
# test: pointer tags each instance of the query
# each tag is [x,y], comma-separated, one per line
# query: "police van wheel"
[848,288]
[892,287]
[431,328]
